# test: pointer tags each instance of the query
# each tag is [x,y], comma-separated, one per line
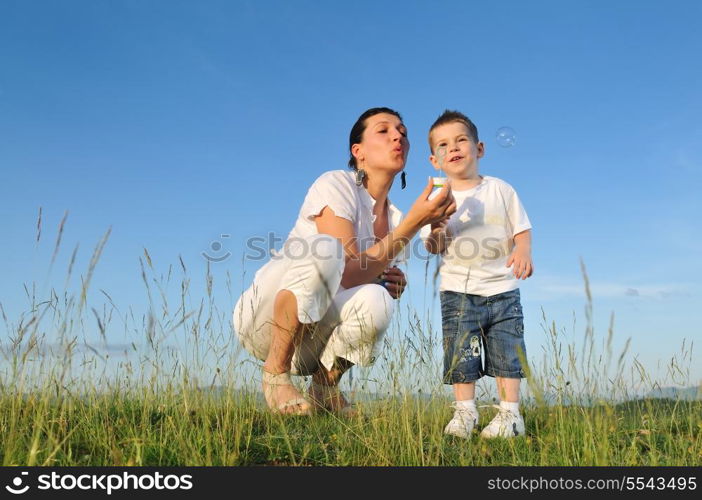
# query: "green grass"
[62,406]
[171,429]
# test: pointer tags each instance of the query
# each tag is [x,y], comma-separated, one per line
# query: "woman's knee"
[377,306]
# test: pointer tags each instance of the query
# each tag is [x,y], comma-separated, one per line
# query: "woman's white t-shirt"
[337,189]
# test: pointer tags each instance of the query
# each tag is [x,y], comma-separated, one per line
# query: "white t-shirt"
[337,189]
[483,228]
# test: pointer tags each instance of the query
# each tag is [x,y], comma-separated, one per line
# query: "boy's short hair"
[451,116]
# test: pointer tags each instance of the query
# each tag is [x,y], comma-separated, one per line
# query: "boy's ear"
[481,149]
[434,162]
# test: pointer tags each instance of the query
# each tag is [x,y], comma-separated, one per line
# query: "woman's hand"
[364,267]
[441,207]
[394,281]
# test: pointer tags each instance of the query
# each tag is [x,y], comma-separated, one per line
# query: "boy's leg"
[461,324]
[505,351]
[464,392]
[508,389]
[504,354]
[462,317]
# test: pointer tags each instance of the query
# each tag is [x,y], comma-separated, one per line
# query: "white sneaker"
[463,422]
[506,424]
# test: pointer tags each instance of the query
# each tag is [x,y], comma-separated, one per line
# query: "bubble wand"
[439,182]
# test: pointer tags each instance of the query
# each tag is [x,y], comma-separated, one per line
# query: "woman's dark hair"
[360,126]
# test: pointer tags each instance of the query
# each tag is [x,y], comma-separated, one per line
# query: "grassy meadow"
[192,429]
[183,393]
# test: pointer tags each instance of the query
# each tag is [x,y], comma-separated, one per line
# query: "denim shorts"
[475,327]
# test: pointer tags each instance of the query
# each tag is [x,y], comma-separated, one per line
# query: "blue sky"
[176,122]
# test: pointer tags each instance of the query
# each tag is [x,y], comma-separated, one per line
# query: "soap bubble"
[441,155]
[506,137]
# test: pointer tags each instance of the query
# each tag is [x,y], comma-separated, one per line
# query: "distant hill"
[681,393]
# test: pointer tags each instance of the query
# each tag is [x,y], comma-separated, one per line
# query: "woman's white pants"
[346,323]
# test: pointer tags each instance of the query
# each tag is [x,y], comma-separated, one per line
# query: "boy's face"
[455,152]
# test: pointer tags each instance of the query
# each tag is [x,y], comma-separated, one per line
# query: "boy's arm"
[438,238]
[521,256]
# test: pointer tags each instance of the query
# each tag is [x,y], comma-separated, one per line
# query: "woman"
[318,308]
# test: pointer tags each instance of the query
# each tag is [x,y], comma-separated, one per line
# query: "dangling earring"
[360,175]
[403,179]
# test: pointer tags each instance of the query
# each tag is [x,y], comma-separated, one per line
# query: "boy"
[480,308]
